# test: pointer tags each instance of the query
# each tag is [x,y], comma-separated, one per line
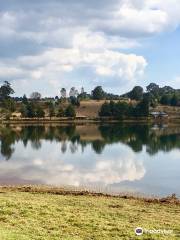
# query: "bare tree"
[82,90]
[35,95]
[72,92]
[76,93]
[63,92]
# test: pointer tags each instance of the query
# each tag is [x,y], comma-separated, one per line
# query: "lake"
[112,158]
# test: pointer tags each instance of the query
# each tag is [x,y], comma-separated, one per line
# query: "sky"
[49,44]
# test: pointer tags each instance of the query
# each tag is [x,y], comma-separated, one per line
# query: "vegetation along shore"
[154,104]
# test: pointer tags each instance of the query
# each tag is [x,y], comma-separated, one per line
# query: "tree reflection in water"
[134,135]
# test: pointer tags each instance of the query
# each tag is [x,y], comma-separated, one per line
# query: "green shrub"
[60,112]
[70,111]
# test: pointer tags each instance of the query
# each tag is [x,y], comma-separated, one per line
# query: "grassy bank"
[28,213]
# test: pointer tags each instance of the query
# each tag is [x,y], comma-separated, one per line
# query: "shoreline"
[89,120]
[171,122]
[70,192]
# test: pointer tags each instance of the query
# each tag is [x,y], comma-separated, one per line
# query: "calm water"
[111,158]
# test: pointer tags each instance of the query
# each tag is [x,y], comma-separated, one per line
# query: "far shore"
[88,120]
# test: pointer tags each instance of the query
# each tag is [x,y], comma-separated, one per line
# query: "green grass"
[49,216]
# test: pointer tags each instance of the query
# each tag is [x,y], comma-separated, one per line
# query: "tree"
[63,93]
[151,99]
[142,109]
[118,110]
[39,112]
[154,89]
[9,104]
[76,93]
[6,90]
[98,93]
[105,110]
[165,100]
[73,92]
[75,101]
[70,111]
[121,109]
[174,100]
[84,96]
[136,93]
[51,109]
[24,110]
[82,90]
[24,99]
[60,112]
[167,90]
[31,110]
[35,96]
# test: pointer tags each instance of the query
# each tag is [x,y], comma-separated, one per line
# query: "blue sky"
[49,44]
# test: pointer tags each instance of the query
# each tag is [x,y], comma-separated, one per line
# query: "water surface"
[111,158]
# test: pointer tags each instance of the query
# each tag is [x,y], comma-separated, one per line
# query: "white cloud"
[114,22]
[98,40]
[71,35]
[8,24]
[51,64]
[174,82]
[10,72]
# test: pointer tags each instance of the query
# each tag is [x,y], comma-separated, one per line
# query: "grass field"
[28,215]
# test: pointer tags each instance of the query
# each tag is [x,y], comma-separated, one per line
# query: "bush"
[75,101]
[31,110]
[39,112]
[105,110]
[123,109]
[51,109]
[70,111]
[24,99]
[113,109]
[165,100]
[174,100]
[98,93]
[24,111]
[60,112]
[142,109]
[9,104]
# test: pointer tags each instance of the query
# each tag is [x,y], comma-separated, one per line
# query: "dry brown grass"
[90,108]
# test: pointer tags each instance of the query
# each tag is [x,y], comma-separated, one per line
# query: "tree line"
[64,105]
[157,95]
[123,109]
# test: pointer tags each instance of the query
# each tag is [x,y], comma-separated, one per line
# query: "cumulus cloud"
[8,22]
[118,17]
[51,64]
[58,37]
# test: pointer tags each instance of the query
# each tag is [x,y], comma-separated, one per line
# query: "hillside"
[173,112]
[91,108]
